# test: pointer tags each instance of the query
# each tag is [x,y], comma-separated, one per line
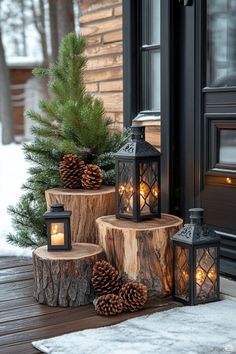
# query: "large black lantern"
[138,179]
[58,228]
[196,261]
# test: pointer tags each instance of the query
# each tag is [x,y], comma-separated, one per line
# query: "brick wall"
[101,23]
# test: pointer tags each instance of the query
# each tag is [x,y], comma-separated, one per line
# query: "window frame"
[132,83]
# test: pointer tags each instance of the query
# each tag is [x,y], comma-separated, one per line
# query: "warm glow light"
[212,274]
[200,276]
[143,194]
[185,276]
[228,180]
[121,189]
[57,238]
[155,191]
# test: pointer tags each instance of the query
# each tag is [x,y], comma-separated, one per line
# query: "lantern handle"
[196,215]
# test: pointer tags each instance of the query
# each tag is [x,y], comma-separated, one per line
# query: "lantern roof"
[196,232]
[57,212]
[138,147]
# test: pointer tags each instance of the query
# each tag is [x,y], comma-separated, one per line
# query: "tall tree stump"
[141,251]
[86,207]
[64,278]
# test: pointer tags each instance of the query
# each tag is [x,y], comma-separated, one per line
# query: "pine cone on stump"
[109,305]
[134,295]
[92,177]
[105,279]
[71,169]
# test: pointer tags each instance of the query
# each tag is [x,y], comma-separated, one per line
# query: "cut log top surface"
[79,251]
[165,221]
[86,192]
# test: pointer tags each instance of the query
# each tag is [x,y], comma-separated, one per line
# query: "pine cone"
[92,177]
[105,279]
[71,169]
[134,295]
[109,305]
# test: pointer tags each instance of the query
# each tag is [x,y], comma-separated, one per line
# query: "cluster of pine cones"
[114,297]
[75,174]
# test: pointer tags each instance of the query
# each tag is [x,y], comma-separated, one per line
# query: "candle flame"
[228,180]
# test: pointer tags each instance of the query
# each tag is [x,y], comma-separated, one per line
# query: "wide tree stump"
[141,251]
[86,207]
[64,278]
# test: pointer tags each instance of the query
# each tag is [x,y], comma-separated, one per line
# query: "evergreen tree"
[72,121]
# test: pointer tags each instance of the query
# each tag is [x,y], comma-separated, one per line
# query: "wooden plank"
[113,37]
[105,49]
[29,312]
[25,348]
[10,262]
[95,16]
[81,323]
[104,62]
[16,290]
[9,278]
[17,303]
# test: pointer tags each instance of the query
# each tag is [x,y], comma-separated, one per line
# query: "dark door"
[204,147]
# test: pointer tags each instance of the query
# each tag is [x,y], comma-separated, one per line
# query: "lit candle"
[212,274]
[143,195]
[200,276]
[228,180]
[57,239]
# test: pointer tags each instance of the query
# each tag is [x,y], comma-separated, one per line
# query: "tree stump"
[86,207]
[64,278]
[141,251]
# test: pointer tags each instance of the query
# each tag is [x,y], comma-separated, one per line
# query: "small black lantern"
[196,261]
[138,179]
[58,228]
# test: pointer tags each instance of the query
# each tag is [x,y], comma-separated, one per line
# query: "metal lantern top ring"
[138,179]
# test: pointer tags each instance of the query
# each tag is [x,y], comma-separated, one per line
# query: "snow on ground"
[13,173]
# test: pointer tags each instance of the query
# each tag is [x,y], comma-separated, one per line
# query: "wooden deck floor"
[23,320]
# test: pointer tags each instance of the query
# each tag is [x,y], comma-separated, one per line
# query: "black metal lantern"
[138,179]
[58,228]
[196,261]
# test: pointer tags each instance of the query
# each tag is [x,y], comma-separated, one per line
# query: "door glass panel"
[227,150]
[221,43]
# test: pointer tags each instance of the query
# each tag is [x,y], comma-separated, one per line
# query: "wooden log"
[141,251]
[64,278]
[86,207]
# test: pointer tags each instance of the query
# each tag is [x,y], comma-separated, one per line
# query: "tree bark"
[86,207]
[65,18]
[64,278]
[53,29]
[6,114]
[141,251]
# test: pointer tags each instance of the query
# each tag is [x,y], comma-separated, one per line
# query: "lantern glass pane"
[57,233]
[182,273]
[125,187]
[206,273]
[149,189]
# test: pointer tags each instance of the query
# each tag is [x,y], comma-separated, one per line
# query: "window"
[150,56]
[141,35]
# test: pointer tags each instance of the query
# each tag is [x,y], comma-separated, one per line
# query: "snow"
[13,174]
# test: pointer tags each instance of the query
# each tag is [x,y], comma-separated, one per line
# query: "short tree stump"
[64,278]
[141,251]
[86,207]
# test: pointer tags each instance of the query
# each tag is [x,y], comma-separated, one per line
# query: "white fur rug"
[201,329]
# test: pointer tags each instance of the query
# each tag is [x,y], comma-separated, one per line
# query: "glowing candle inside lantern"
[144,198]
[57,236]
[200,276]
[212,274]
